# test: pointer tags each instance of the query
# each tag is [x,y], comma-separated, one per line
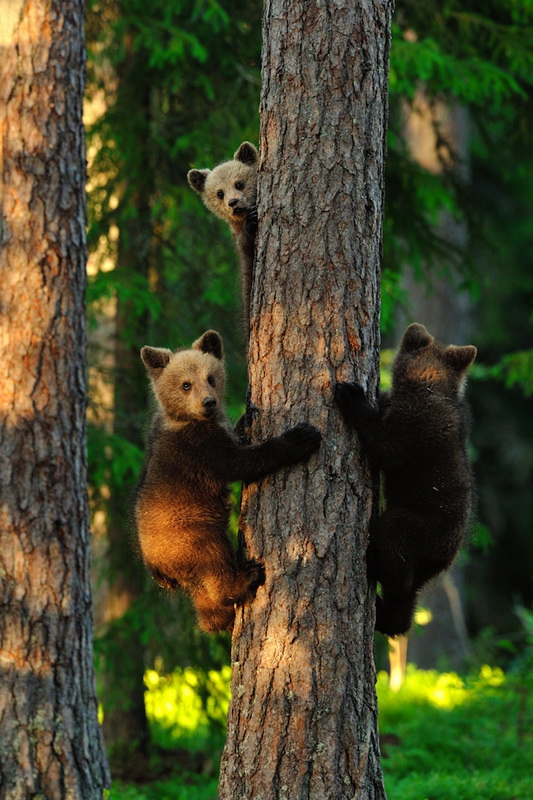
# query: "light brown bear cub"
[230,192]
[182,505]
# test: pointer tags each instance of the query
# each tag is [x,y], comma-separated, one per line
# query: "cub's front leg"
[253,462]
[358,413]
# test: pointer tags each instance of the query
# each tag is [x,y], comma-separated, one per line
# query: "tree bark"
[303,717]
[51,742]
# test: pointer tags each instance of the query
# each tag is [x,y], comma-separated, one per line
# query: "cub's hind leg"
[221,591]
[394,565]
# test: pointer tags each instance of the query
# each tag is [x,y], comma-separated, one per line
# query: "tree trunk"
[303,717]
[51,741]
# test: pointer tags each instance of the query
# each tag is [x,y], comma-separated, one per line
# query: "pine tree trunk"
[303,717]
[51,741]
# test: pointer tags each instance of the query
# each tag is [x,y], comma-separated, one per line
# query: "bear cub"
[230,191]
[182,504]
[417,437]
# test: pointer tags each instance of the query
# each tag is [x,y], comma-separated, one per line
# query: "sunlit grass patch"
[440,689]
[446,737]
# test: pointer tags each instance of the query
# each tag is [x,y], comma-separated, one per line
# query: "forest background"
[175,84]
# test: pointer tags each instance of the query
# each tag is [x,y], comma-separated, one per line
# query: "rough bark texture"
[51,741]
[303,718]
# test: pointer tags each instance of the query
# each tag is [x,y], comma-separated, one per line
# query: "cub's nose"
[209,403]
[233,202]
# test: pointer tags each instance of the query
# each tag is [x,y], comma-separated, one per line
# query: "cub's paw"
[255,575]
[244,425]
[348,394]
[304,439]
[250,575]
[394,618]
[251,221]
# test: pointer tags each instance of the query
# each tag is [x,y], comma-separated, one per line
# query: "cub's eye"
[239,185]
[211,381]
[220,194]
[186,386]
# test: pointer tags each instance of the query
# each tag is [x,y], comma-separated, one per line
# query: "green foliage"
[126,287]
[446,737]
[514,369]
[446,44]
[112,460]
[184,787]
[469,79]
[188,707]
[476,55]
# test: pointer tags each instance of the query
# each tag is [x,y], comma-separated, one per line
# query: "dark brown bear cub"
[417,438]
[182,506]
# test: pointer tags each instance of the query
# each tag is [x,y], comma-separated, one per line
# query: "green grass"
[444,737]
[457,739]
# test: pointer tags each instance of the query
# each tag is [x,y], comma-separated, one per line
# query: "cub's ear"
[196,178]
[155,359]
[460,358]
[415,337]
[210,342]
[247,154]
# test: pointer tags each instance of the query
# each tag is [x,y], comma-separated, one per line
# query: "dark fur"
[182,507]
[417,438]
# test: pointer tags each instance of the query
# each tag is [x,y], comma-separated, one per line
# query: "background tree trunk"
[303,717]
[51,741]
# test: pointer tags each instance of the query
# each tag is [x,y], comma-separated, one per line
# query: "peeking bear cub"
[417,438]
[182,504]
[230,191]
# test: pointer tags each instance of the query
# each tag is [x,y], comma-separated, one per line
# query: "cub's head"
[188,384]
[423,362]
[230,189]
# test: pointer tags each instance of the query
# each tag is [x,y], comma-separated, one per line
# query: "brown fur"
[182,506]
[417,438]
[230,192]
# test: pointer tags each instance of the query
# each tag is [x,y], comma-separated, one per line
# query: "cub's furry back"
[417,438]
[182,505]
[230,191]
